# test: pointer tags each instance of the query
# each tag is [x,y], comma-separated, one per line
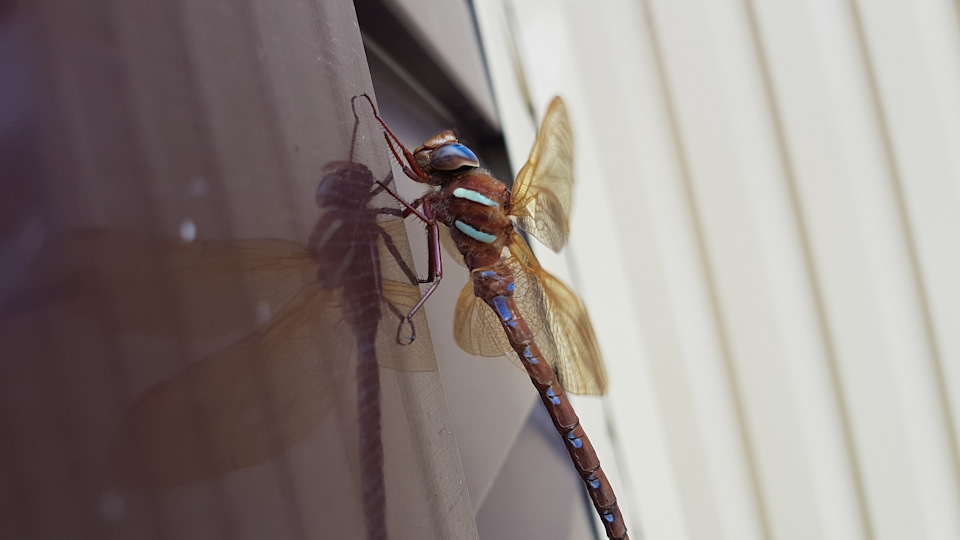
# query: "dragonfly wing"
[207,289]
[476,327]
[566,339]
[543,190]
[247,403]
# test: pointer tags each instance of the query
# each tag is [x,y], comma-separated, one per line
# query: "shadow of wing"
[246,403]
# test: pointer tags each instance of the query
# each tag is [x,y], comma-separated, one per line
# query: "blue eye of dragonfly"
[451,157]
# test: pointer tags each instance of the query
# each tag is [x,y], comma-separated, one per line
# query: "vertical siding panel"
[795,95]
[923,200]
[780,180]
[912,80]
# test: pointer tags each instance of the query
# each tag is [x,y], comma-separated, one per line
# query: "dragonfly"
[512,304]
[285,375]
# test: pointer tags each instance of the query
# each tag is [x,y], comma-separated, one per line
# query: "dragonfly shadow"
[249,401]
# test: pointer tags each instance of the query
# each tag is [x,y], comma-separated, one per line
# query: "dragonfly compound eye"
[451,157]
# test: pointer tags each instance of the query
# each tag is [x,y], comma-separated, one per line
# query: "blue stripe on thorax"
[479,236]
[471,195]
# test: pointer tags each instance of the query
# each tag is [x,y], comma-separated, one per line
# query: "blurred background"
[764,232]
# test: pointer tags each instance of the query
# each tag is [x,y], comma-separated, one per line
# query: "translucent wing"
[567,338]
[476,327]
[247,403]
[543,190]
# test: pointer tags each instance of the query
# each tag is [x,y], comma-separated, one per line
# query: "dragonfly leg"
[413,171]
[409,208]
[435,261]
[381,185]
[410,168]
[393,212]
[403,318]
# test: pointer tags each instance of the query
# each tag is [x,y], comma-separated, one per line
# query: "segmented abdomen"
[494,285]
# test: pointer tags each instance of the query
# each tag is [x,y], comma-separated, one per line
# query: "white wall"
[765,233]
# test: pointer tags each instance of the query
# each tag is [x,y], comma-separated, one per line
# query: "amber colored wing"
[247,403]
[543,190]
[567,338]
[476,327]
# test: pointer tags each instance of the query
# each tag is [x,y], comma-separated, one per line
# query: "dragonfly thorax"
[475,206]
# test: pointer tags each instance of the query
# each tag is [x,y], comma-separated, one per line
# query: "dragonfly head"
[443,153]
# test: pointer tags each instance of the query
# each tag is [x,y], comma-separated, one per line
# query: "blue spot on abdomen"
[503,311]
[574,440]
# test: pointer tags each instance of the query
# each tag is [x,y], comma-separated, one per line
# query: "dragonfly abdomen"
[495,286]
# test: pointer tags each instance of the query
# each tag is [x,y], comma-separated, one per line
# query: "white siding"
[766,234]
